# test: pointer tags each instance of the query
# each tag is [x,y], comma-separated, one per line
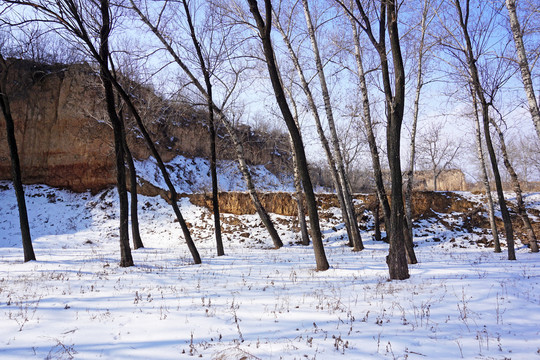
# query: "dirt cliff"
[64,139]
[57,144]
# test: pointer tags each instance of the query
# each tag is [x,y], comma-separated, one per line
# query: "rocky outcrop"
[58,144]
[64,138]
[283,203]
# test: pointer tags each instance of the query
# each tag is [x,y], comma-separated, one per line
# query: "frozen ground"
[462,301]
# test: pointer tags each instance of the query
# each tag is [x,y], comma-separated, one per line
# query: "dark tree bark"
[125,251]
[485,178]
[161,165]
[28,249]
[377,220]
[135,229]
[396,260]
[299,196]
[212,128]
[213,172]
[264,29]
[135,232]
[484,106]
[521,210]
[395,103]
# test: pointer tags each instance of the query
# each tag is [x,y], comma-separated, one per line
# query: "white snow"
[461,301]
[193,175]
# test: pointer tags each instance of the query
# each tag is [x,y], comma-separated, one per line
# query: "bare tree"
[394,91]
[524,64]
[118,129]
[212,127]
[15,163]
[485,178]
[463,13]
[437,151]
[522,212]
[296,173]
[239,148]
[342,177]
[421,53]
[264,27]
[70,16]
[223,118]
[317,118]
[135,229]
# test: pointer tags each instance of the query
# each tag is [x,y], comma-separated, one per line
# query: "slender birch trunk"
[264,27]
[135,231]
[368,125]
[343,181]
[524,64]
[484,106]
[318,125]
[412,145]
[212,131]
[522,212]
[299,197]
[246,175]
[485,178]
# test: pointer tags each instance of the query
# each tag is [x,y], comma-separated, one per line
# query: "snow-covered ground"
[462,301]
[193,175]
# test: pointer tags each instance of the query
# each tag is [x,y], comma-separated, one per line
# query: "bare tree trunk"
[394,91]
[135,233]
[239,149]
[125,251]
[212,128]
[150,143]
[300,201]
[524,64]
[396,260]
[377,220]
[215,191]
[264,28]
[343,181]
[412,146]
[297,181]
[368,125]
[471,61]
[28,249]
[485,178]
[320,131]
[244,169]
[522,212]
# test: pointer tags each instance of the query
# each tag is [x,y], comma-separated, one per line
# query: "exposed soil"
[466,215]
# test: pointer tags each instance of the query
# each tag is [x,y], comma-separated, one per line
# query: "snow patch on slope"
[193,175]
